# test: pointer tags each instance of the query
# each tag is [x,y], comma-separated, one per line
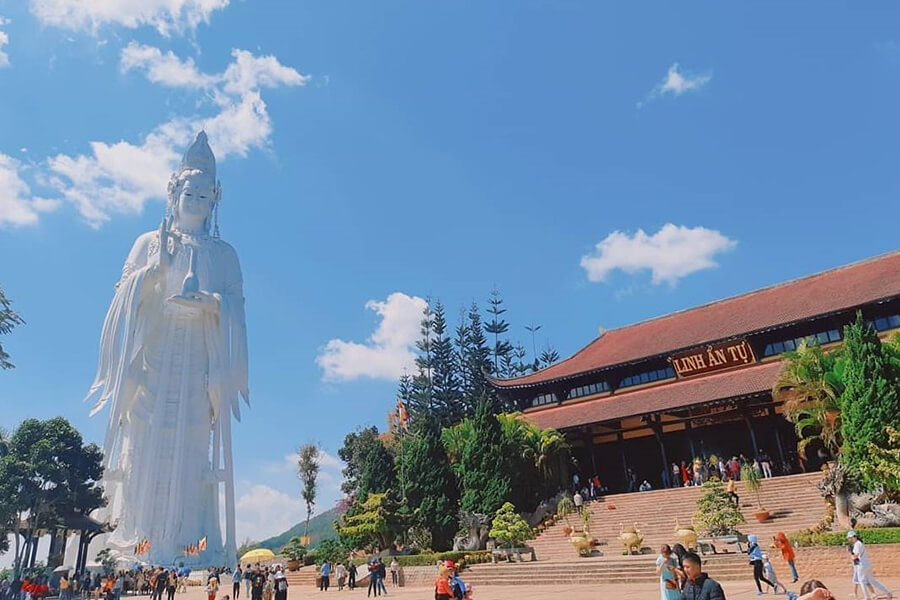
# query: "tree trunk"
[842,509]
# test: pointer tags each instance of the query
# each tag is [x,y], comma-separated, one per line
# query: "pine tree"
[476,361]
[870,401]
[484,478]
[445,387]
[548,356]
[432,491]
[497,326]
[421,400]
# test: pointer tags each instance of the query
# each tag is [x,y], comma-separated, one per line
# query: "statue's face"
[195,200]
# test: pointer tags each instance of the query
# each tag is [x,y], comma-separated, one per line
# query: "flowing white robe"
[172,377]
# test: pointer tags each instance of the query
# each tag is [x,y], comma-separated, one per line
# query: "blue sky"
[599,165]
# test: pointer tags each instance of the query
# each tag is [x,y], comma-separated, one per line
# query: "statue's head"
[193,190]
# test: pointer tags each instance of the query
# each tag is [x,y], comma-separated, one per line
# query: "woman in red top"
[442,589]
[787,552]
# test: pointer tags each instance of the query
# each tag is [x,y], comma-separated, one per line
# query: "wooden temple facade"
[698,382]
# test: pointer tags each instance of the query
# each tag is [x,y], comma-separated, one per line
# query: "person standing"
[676,475]
[247,576]
[667,570]
[395,571]
[281,585]
[63,587]
[698,585]
[340,574]
[351,576]
[862,567]
[787,553]
[756,559]
[172,584]
[373,578]
[257,585]
[212,586]
[382,575]
[442,585]
[325,572]
[236,582]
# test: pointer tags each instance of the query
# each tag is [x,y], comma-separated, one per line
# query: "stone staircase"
[793,500]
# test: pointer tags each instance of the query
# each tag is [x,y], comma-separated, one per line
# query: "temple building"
[699,382]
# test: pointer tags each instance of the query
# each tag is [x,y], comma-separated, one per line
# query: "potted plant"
[564,508]
[509,528]
[716,514]
[753,483]
[294,552]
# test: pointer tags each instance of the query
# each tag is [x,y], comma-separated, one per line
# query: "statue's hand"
[199,300]
[164,258]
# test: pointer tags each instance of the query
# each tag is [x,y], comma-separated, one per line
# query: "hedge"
[430,559]
[884,535]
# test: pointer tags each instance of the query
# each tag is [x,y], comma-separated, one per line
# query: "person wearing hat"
[457,585]
[862,567]
[442,589]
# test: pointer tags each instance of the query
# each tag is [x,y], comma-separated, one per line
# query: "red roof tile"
[667,396]
[838,289]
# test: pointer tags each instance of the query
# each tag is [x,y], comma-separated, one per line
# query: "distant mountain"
[321,527]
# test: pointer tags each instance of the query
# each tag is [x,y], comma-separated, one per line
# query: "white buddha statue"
[173,365]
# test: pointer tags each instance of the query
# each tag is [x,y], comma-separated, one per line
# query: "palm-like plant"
[810,384]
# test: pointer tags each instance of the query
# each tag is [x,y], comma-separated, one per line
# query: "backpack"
[281,585]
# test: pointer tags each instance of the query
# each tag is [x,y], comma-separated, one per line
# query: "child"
[770,574]
[787,553]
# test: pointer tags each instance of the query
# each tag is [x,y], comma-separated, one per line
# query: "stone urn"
[631,538]
[292,564]
[686,535]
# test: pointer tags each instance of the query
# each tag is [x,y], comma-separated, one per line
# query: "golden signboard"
[712,358]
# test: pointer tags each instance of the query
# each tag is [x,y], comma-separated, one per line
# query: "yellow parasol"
[258,555]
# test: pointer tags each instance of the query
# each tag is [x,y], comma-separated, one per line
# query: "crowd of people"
[684,474]
[682,578]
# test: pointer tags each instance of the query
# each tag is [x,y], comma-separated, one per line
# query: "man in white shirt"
[578,500]
[862,567]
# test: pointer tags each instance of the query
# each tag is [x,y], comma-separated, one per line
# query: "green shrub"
[885,535]
[430,559]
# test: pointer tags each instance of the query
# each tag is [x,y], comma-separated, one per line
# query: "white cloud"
[17,205]
[121,177]
[262,511]
[387,352]
[166,16]
[677,82]
[4,40]
[166,69]
[669,254]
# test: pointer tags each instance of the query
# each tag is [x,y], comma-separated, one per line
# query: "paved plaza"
[840,587]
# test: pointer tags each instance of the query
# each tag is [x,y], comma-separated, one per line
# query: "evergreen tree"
[445,386]
[476,361]
[8,321]
[518,364]
[421,400]
[497,326]
[548,356]
[484,478]
[432,492]
[370,465]
[870,401]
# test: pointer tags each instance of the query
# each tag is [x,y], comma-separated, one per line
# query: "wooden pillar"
[621,441]
[588,437]
[656,426]
[752,434]
[690,437]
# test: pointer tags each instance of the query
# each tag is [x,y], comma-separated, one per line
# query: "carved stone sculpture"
[474,528]
[855,509]
[172,368]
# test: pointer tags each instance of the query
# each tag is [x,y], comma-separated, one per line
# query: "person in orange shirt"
[442,589]
[787,552]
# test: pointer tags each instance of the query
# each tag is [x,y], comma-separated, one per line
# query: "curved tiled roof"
[734,383]
[823,293]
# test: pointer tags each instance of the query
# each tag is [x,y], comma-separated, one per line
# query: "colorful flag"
[201,545]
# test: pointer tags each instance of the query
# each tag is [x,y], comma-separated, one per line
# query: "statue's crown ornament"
[199,156]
